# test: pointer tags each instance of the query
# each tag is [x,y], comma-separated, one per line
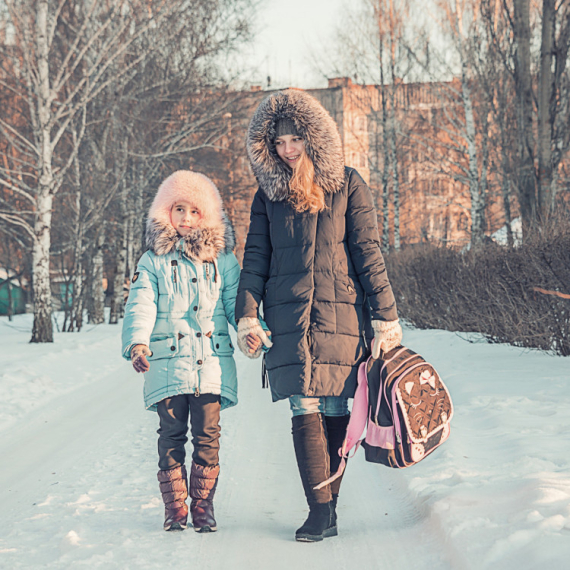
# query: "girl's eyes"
[181,209]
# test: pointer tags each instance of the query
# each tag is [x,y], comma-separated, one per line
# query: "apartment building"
[394,151]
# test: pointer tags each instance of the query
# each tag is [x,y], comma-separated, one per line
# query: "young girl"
[175,330]
[312,257]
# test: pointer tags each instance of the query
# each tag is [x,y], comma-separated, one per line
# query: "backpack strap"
[356,424]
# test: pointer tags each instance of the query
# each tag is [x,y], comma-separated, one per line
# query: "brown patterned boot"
[174,489]
[203,483]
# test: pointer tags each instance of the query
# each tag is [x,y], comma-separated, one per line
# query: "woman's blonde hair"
[304,194]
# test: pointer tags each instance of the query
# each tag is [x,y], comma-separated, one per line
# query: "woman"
[312,257]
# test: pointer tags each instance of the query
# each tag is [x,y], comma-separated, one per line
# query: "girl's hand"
[253,342]
[139,352]
[251,337]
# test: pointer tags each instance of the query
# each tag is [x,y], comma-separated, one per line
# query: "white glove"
[387,335]
[251,325]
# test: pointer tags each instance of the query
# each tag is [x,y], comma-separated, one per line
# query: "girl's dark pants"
[204,413]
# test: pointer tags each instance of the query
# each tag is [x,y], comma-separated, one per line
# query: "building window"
[360,124]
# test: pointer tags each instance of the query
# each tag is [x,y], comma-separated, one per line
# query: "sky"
[287,34]
[290,36]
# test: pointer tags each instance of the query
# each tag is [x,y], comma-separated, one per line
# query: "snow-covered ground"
[78,469]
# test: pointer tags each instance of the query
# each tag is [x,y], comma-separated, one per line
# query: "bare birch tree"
[61,59]
[57,62]
[371,44]
[460,148]
[545,112]
[476,170]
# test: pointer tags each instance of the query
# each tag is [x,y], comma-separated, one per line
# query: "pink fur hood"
[204,243]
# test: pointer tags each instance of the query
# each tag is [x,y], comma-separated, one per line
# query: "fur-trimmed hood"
[215,234]
[319,131]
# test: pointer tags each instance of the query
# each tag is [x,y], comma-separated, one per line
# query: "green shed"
[11,292]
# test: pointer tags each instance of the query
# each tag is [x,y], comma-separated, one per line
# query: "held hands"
[139,352]
[253,342]
[251,337]
[387,335]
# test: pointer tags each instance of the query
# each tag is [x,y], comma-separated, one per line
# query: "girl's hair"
[304,194]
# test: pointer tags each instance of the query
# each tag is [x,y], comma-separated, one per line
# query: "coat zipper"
[174,265]
[309,332]
[197,390]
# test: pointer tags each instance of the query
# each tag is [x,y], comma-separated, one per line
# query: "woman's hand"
[139,352]
[387,335]
[251,337]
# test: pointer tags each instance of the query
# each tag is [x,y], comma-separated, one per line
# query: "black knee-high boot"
[336,432]
[312,452]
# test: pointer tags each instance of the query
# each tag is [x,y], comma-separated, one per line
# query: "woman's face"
[184,217]
[290,148]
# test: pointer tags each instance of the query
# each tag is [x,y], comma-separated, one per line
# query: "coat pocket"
[349,291]
[269,297]
[163,347]
[222,344]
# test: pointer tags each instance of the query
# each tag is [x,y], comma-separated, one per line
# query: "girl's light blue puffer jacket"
[181,299]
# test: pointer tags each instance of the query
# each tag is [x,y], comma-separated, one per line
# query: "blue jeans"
[327,405]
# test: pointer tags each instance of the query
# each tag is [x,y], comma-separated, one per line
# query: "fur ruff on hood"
[204,243]
[317,128]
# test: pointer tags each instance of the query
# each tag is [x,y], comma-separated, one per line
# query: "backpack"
[405,408]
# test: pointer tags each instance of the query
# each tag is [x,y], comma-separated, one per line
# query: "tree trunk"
[392,123]
[76,316]
[477,201]
[523,79]
[506,184]
[9,285]
[77,292]
[97,314]
[42,330]
[545,92]
[385,161]
[393,158]
[117,303]
[385,176]
[559,107]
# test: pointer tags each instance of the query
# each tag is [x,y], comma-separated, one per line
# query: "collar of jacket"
[201,244]
[320,133]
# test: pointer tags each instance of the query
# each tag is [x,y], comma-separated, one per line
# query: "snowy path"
[78,479]
[80,489]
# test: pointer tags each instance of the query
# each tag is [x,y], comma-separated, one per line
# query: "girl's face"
[290,148]
[184,217]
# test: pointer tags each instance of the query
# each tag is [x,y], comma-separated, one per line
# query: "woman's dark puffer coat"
[320,277]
